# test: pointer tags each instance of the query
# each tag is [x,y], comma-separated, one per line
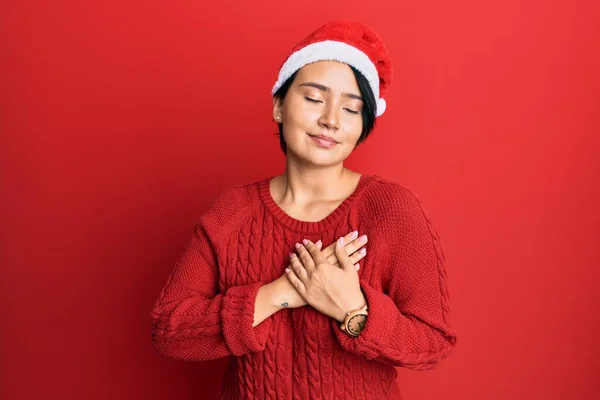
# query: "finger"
[356,256]
[353,259]
[305,257]
[315,253]
[359,255]
[295,281]
[356,244]
[297,267]
[349,238]
[342,255]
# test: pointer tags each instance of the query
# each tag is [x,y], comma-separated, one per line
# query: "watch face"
[357,323]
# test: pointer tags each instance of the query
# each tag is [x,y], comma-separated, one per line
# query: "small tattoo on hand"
[285,304]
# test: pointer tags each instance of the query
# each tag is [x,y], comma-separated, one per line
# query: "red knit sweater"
[206,309]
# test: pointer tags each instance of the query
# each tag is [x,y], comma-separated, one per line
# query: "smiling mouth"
[325,143]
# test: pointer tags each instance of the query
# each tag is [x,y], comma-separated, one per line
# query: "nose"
[330,118]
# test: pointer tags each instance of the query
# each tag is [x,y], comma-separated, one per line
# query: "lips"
[323,141]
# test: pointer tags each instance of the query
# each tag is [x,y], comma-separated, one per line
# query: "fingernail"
[362,239]
[304,242]
[363,251]
[291,255]
[298,245]
[287,270]
[353,235]
[318,244]
[341,241]
[357,267]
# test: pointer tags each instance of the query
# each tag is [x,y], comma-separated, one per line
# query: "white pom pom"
[381,106]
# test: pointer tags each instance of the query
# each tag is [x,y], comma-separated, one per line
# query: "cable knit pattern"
[206,308]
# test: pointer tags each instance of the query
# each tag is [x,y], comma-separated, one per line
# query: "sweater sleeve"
[408,321]
[192,320]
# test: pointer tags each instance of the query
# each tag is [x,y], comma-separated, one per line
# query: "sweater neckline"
[297,225]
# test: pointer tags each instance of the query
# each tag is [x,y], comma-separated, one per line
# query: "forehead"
[335,75]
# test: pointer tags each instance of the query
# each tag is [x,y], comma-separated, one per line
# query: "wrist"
[340,315]
[262,306]
[357,304]
[279,294]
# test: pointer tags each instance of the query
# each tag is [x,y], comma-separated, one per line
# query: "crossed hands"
[327,280]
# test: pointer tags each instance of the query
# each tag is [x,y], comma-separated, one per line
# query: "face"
[321,114]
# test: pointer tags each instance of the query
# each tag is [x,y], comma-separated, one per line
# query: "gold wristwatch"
[355,321]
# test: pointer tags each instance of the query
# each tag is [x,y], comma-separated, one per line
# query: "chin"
[321,158]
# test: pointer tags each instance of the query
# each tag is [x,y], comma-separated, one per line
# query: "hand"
[354,247]
[286,295]
[332,291]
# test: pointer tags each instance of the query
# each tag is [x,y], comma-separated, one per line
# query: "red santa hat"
[351,43]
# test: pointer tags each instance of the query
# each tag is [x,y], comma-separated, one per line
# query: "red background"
[120,120]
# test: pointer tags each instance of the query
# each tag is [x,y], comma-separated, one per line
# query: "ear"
[277,105]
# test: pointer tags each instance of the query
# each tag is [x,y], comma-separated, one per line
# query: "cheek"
[298,121]
[300,112]
[352,126]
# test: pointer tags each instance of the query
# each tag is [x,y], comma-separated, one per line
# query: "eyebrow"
[326,89]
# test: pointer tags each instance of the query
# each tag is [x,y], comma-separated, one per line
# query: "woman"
[276,273]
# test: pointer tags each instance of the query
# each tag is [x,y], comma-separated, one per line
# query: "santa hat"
[351,43]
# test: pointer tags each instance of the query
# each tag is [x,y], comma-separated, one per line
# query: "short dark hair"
[368,109]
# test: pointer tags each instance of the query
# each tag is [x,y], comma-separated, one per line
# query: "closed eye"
[319,101]
[312,100]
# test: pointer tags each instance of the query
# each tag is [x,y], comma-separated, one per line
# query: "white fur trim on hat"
[334,51]
[381,106]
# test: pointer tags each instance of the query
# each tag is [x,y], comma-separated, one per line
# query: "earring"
[277,118]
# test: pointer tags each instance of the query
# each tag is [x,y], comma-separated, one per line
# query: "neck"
[303,184]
